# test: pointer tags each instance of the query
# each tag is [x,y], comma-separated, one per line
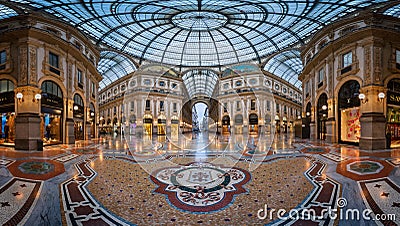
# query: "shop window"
[54,63]
[347,60]
[80,79]
[349,108]
[3,59]
[277,108]
[285,109]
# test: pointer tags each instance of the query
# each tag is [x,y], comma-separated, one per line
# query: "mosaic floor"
[200,179]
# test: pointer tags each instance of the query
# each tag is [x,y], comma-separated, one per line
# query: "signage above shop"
[393,98]
[7,98]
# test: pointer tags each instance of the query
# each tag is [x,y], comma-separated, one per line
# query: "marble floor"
[200,179]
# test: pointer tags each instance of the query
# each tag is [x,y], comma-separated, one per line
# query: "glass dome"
[191,33]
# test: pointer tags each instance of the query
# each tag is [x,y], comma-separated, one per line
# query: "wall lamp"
[324,107]
[20,97]
[75,107]
[92,114]
[381,96]
[363,98]
[38,96]
[308,113]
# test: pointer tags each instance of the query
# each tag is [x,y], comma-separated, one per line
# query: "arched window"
[6,86]
[50,87]
[78,100]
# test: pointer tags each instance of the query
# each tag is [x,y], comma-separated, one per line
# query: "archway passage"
[349,112]
[322,116]
[253,124]
[226,124]
[200,117]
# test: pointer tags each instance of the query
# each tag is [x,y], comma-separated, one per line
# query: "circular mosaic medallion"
[36,167]
[200,187]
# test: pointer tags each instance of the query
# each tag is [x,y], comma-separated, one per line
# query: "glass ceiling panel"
[6,12]
[113,66]
[200,82]
[393,11]
[286,65]
[218,32]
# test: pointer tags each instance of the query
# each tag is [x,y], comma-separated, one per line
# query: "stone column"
[372,120]
[313,125]
[69,122]
[27,121]
[331,134]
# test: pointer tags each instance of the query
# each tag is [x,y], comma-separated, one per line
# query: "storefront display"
[226,124]
[393,112]
[350,125]
[174,127]
[51,113]
[161,125]
[148,124]
[349,113]
[253,124]
[79,115]
[7,128]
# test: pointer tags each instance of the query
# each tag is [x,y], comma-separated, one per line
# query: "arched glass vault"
[198,33]
[200,82]
[112,66]
[286,65]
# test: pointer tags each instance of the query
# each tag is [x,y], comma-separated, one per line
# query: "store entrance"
[253,124]
[226,125]
[393,112]
[349,113]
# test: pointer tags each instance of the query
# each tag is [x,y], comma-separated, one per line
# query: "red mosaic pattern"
[15,171]
[342,169]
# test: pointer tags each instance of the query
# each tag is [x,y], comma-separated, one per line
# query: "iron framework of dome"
[203,33]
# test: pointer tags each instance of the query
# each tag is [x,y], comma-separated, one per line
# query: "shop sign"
[393,98]
[161,121]
[147,120]
[7,98]
[52,100]
[253,119]
[174,121]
